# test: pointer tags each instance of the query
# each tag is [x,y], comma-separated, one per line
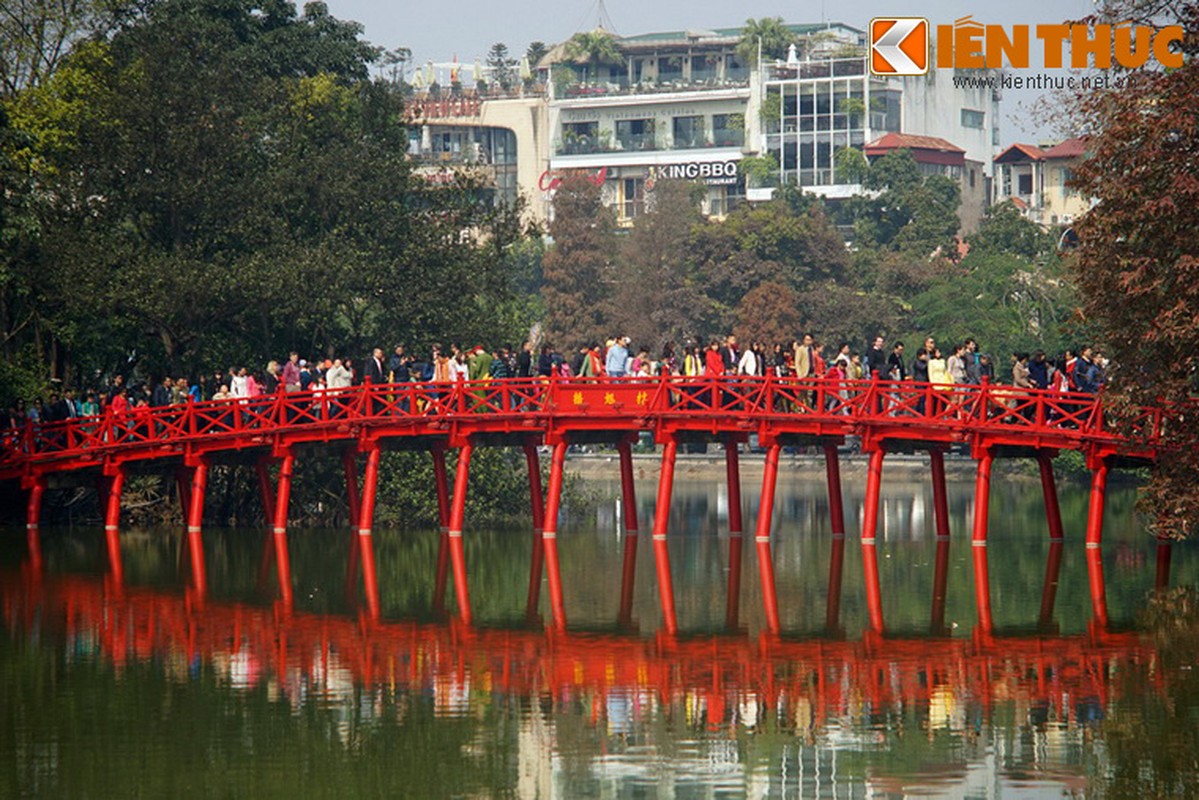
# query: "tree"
[218,183]
[769,313]
[502,66]
[910,211]
[578,267]
[769,35]
[1137,264]
[595,49]
[35,35]
[535,52]
[1005,230]
[655,298]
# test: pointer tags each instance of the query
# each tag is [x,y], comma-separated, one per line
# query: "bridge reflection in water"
[810,688]
[990,422]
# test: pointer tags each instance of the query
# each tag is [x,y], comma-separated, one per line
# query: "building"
[936,156]
[815,104]
[1037,180]
[684,104]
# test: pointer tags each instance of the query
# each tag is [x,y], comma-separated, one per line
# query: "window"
[1025,181]
[632,198]
[973,119]
[635,134]
[688,132]
[728,130]
[579,137]
[972,174]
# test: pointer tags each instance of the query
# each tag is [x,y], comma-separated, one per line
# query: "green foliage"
[535,52]
[577,267]
[1005,230]
[219,183]
[502,65]
[851,165]
[760,171]
[770,35]
[594,49]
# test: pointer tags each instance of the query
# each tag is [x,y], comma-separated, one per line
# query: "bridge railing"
[634,402]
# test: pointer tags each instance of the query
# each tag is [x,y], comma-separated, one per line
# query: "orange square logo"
[899,45]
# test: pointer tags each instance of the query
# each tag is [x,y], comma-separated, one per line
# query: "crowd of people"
[1078,370]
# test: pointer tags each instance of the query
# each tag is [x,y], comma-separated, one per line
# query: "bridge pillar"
[33,516]
[1161,580]
[1095,508]
[1098,590]
[762,538]
[836,508]
[874,594]
[1053,568]
[549,535]
[1053,512]
[982,498]
[457,517]
[195,522]
[628,494]
[982,507]
[537,507]
[279,529]
[936,460]
[366,521]
[832,616]
[936,625]
[112,523]
[661,523]
[442,484]
[982,589]
[732,615]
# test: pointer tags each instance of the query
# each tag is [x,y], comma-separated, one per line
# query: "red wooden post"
[549,535]
[874,594]
[279,530]
[732,464]
[349,468]
[762,538]
[195,521]
[940,580]
[836,567]
[661,523]
[1095,509]
[1053,568]
[112,525]
[370,485]
[832,468]
[1098,592]
[982,499]
[982,590]
[33,516]
[457,517]
[442,484]
[1053,512]
[940,496]
[537,506]
[628,570]
[1161,579]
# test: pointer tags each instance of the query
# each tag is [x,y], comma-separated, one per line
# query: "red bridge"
[990,421]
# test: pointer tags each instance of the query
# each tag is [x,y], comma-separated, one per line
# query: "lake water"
[145,688]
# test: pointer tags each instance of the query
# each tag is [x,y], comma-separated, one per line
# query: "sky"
[439,31]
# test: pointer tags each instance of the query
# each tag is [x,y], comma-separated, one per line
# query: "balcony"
[700,82]
[637,142]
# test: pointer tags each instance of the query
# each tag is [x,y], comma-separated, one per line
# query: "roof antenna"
[602,18]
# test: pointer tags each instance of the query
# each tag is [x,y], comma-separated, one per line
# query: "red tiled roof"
[1020,152]
[909,141]
[1071,148]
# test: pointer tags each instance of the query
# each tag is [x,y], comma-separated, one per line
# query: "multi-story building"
[1037,179]
[686,104]
[813,105]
